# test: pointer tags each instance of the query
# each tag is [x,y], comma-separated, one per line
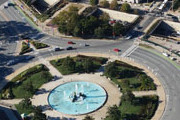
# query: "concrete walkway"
[52,69]
[112,90]
[144,93]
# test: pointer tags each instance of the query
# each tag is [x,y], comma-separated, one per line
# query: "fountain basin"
[60,98]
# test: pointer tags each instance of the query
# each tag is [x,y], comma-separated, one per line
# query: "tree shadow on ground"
[12,30]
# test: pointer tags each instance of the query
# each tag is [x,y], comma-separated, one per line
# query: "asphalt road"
[16,24]
[169,77]
[2,1]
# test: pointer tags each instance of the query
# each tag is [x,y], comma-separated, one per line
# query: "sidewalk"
[144,93]
[160,90]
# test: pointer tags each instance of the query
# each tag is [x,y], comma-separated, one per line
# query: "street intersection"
[13,23]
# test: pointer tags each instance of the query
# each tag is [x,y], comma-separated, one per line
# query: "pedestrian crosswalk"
[130,50]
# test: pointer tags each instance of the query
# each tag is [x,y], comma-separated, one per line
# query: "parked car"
[165,54]
[173,58]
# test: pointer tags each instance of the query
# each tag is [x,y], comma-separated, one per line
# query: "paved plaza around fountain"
[113,94]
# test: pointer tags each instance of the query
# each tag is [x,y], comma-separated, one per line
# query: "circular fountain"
[77,98]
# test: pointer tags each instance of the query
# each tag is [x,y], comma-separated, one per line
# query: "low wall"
[120,15]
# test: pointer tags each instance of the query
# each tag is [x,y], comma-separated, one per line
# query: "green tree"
[89,24]
[88,65]
[67,20]
[104,17]
[68,64]
[99,32]
[28,2]
[87,117]
[125,82]
[176,4]
[127,96]
[104,4]
[77,31]
[114,113]
[25,106]
[118,29]
[107,28]
[125,8]
[94,2]
[146,82]
[38,115]
[114,5]
[29,88]
[111,70]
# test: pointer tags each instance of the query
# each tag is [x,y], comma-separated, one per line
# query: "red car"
[112,22]
[116,50]
[70,42]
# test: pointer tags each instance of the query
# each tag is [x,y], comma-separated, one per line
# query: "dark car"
[69,48]
[10,4]
[57,49]
[86,45]
[5,6]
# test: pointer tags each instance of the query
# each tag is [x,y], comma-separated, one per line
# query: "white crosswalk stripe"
[129,51]
[46,38]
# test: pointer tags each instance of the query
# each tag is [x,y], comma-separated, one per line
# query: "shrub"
[39,45]
[25,48]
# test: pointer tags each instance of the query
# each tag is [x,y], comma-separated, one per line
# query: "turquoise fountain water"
[77,98]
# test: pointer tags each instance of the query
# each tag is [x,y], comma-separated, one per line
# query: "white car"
[128,37]
[165,54]
[173,58]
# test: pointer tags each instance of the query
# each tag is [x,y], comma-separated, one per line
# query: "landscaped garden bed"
[87,25]
[25,48]
[134,108]
[78,64]
[26,83]
[129,77]
[39,45]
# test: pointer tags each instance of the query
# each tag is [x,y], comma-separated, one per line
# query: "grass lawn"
[143,108]
[130,78]
[134,84]
[146,46]
[26,83]
[81,64]
[39,45]
[25,48]
[37,79]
